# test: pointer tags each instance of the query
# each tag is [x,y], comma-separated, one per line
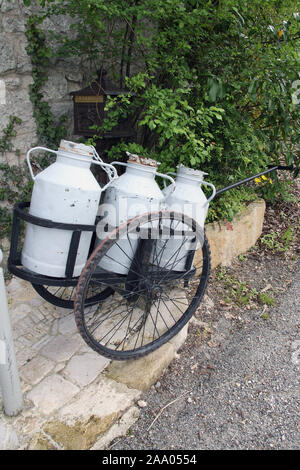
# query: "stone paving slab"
[52,393]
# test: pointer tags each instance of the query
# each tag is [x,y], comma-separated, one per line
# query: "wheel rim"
[64,296]
[149,305]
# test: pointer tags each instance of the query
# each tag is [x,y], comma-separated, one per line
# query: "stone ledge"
[226,244]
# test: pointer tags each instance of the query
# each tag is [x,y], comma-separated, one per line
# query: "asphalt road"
[242,395]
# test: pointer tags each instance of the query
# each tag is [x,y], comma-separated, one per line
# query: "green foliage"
[279,243]
[240,293]
[8,133]
[15,184]
[265,299]
[210,81]
[48,131]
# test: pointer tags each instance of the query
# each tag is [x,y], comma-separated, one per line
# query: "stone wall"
[16,76]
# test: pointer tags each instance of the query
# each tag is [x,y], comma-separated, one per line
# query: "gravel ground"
[235,382]
[240,393]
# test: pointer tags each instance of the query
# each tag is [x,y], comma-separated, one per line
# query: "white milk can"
[134,193]
[65,192]
[188,199]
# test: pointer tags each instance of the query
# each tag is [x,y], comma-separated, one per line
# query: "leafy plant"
[277,242]
[14,181]
[239,292]
[8,133]
[265,299]
[210,82]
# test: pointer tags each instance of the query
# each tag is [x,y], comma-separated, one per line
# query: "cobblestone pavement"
[54,362]
[74,398]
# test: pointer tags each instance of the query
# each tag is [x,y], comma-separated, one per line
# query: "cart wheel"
[64,296]
[151,303]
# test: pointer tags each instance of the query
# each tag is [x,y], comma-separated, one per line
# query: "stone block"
[24,354]
[23,59]
[180,338]
[52,393]
[20,291]
[61,348]
[7,59]
[41,442]
[81,423]
[67,325]
[56,87]
[143,372]
[84,368]
[246,229]
[13,24]
[35,370]
[2,92]
[8,5]
[118,429]
[19,312]
[8,437]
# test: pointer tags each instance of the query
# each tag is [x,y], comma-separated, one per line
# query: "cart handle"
[251,178]
[172,185]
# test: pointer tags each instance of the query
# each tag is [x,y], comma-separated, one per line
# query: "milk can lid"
[190,172]
[133,158]
[75,147]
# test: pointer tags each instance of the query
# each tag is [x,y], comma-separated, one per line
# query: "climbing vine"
[8,133]
[15,184]
[48,131]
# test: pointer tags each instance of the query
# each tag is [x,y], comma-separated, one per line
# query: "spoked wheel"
[155,258]
[64,296]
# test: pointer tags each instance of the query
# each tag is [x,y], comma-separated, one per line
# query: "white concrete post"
[9,377]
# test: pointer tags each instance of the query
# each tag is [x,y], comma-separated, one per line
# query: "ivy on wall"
[48,131]
[15,182]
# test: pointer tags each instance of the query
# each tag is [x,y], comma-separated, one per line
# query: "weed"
[279,243]
[240,293]
[265,299]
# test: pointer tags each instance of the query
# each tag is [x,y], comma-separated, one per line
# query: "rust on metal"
[143,161]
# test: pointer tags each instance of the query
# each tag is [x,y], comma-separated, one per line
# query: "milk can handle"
[28,158]
[112,176]
[169,173]
[172,186]
[213,189]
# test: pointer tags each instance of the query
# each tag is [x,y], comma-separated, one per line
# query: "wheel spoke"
[150,304]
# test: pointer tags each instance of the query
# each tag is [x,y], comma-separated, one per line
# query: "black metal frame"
[15,266]
[14,261]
